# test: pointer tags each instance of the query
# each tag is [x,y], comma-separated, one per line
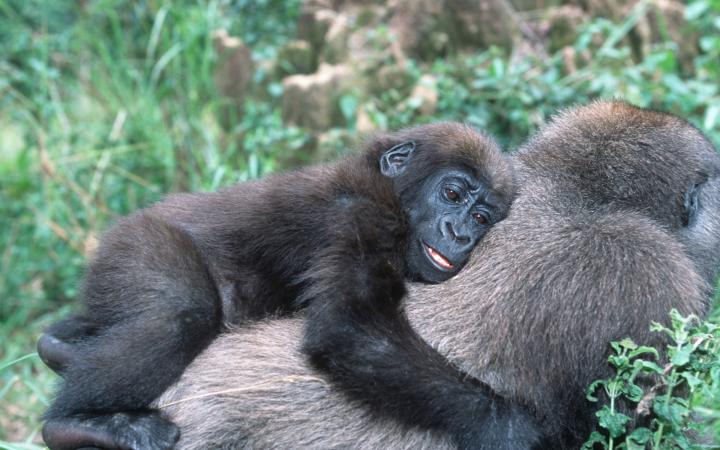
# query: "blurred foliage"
[511,98]
[105,105]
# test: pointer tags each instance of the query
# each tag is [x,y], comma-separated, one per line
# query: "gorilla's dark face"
[449,211]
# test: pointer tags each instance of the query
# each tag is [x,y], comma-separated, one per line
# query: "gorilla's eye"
[480,218]
[452,195]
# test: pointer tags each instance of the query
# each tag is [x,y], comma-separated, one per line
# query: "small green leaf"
[592,388]
[618,361]
[681,356]
[634,392]
[595,439]
[638,439]
[628,344]
[644,350]
[614,422]
[647,366]
[692,381]
[614,388]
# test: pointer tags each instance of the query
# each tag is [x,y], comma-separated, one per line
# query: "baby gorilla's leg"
[151,306]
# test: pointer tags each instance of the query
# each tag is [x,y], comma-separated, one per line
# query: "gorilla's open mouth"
[438,259]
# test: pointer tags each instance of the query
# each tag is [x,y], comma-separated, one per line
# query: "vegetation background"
[105,105]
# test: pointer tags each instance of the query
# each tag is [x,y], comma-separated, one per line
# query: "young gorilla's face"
[449,212]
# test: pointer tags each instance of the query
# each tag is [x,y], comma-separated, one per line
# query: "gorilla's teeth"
[438,258]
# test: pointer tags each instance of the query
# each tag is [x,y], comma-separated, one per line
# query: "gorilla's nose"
[460,237]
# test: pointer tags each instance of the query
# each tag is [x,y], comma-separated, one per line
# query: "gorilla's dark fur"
[337,240]
[617,221]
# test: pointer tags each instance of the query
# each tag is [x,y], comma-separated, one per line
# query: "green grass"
[104,108]
[108,104]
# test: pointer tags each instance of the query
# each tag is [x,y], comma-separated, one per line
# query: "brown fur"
[593,250]
[258,392]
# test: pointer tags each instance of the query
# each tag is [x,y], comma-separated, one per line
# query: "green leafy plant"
[673,409]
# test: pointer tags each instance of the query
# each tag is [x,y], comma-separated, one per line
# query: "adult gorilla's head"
[616,221]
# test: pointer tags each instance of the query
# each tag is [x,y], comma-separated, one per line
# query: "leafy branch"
[669,413]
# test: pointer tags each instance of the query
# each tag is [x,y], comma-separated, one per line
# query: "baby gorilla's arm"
[357,335]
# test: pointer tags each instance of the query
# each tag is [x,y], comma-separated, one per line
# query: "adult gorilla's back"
[617,221]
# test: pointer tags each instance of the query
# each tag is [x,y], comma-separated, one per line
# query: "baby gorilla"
[336,239]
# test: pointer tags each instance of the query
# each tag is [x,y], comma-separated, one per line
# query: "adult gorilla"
[616,222]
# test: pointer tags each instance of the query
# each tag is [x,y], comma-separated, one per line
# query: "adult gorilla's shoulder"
[617,221]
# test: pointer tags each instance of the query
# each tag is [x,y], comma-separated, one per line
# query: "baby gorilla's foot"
[55,353]
[117,431]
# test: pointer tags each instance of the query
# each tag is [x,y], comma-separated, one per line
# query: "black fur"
[339,238]
[616,221]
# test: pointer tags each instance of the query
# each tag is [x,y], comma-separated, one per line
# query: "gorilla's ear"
[690,204]
[393,161]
